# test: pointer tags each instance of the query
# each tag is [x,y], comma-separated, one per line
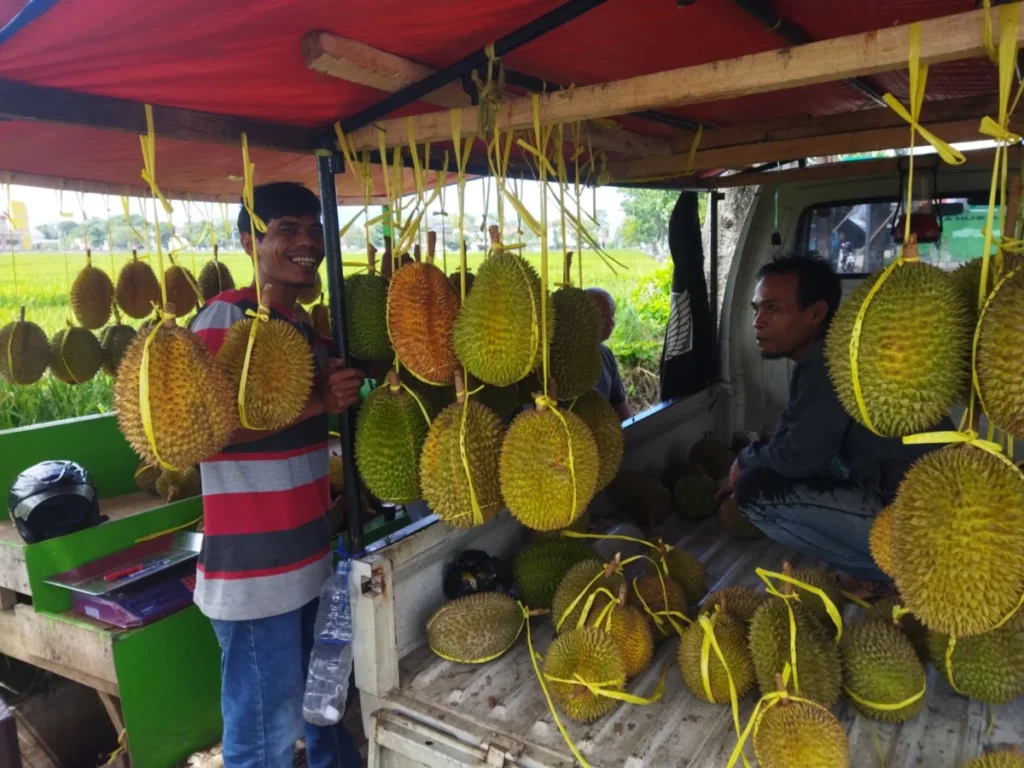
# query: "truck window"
[856,237]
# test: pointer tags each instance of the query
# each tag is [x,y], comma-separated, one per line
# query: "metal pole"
[503,45]
[328,166]
[713,199]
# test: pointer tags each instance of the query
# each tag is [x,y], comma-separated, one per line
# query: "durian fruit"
[1004,759]
[999,364]
[880,541]
[192,403]
[309,294]
[336,472]
[476,628]
[421,310]
[687,571]
[146,476]
[966,280]
[504,401]
[826,582]
[576,347]
[542,489]
[819,672]
[735,524]
[280,374]
[987,668]
[713,455]
[914,353]
[92,296]
[540,568]
[24,351]
[958,540]
[907,623]
[435,399]
[631,632]
[677,466]
[390,431]
[215,278]
[114,342]
[694,497]
[739,602]
[641,496]
[581,581]
[658,596]
[179,282]
[606,427]
[795,734]
[456,278]
[173,485]
[320,315]
[881,667]
[137,288]
[75,355]
[589,655]
[731,635]
[496,333]
[459,462]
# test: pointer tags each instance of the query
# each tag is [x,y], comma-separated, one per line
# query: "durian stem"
[371,259]
[495,234]
[787,569]
[613,566]
[460,389]
[622,595]
[394,382]
[567,269]
[431,245]
[416,255]
[780,686]
[1012,214]
[169,314]
[388,254]
[216,248]
[135,254]
[21,315]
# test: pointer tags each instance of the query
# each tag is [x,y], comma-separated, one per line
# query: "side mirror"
[926,226]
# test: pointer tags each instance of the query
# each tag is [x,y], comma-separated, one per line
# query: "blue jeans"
[263,679]
[824,517]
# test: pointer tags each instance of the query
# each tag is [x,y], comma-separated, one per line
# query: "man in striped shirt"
[266,550]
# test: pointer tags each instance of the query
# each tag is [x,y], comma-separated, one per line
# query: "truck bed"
[501,702]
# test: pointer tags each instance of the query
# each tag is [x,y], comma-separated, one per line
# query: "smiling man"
[266,549]
[819,481]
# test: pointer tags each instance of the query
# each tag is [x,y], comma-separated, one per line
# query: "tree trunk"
[732,211]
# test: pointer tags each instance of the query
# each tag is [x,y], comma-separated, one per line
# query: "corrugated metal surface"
[504,697]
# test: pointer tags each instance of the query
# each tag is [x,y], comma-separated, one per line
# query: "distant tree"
[647,215]
[49,231]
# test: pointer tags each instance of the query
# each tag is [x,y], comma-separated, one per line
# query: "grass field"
[40,282]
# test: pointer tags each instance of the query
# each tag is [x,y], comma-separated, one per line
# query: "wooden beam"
[56,105]
[806,126]
[103,188]
[358,63]
[794,149]
[946,38]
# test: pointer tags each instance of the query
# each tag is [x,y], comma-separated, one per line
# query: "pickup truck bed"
[446,714]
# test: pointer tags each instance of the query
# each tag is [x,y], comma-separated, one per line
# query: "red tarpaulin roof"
[243,58]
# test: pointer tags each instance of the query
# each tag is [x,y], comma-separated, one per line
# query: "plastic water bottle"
[330,663]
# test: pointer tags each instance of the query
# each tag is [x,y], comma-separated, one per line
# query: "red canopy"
[243,58]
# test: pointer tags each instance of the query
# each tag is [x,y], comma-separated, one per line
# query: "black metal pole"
[328,166]
[502,46]
[713,198]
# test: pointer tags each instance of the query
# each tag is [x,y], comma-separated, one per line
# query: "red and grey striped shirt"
[266,548]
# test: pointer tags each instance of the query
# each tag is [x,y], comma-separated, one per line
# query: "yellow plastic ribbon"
[692,154]
[709,643]
[145,409]
[478,515]
[149,160]
[261,315]
[887,707]
[830,607]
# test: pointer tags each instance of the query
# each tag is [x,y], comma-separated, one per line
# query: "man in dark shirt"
[819,481]
[610,384]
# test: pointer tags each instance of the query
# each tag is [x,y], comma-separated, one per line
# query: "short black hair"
[816,280]
[279,199]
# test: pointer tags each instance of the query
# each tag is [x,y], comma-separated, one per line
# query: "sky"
[46,205]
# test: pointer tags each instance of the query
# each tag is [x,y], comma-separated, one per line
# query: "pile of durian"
[440,427]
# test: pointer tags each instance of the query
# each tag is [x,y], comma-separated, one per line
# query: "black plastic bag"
[475,571]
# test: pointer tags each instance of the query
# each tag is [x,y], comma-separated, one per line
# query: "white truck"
[419,710]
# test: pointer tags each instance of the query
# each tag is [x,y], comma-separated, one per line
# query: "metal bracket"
[501,748]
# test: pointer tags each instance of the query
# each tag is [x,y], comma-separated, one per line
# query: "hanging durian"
[606,427]
[496,334]
[576,345]
[320,315]
[280,373]
[75,355]
[146,476]
[138,290]
[309,294]
[366,312]
[192,405]
[114,342]
[913,353]
[999,363]
[459,462]
[421,310]
[180,285]
[92,296]
[215,278]
[390,432]
[24,351]
[174,485]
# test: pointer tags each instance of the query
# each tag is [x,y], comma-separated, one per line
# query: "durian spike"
[371,259]
[460,389]
[416,256]
[567,269]
[613,566]
[431,246]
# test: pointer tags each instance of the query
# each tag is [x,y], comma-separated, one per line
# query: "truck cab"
[420,710]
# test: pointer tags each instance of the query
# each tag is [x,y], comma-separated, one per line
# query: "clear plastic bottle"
[330,664]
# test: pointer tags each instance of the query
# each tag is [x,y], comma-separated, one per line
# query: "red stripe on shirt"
[264,512]
[231,575]
[213,338]
[268,455]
